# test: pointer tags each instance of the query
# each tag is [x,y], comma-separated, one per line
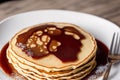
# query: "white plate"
[99,27]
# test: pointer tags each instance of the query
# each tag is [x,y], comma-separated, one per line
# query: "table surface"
[109,9]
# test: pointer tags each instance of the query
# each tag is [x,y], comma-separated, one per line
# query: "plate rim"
[58,10]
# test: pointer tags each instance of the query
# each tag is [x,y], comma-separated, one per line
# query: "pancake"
[52,51]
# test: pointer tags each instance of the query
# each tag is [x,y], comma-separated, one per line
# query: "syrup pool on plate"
[101,58]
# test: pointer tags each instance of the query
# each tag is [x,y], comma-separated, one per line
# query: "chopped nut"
[53,45]
[76,36]
[45,38]
[45,47]
[32,45]
[68,33]
[58,43]
[41,50]
[50,32]
[29,41]
[39,33]
[45,43]
[52,28]
[27,45]
[45,30]
[39,42]
[32,36]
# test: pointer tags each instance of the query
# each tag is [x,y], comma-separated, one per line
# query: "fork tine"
[119,45]
[112,43]
[116,44]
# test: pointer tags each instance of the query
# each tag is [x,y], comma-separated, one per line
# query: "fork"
[114,54]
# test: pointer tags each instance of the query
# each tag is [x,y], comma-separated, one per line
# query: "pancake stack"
[52,51]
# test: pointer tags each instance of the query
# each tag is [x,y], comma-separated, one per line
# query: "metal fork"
[114,53]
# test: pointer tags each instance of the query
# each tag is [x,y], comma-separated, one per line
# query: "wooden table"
[109,9]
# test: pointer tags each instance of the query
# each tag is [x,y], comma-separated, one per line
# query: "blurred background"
[109,9]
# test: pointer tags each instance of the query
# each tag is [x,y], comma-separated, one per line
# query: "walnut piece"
[54,45]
